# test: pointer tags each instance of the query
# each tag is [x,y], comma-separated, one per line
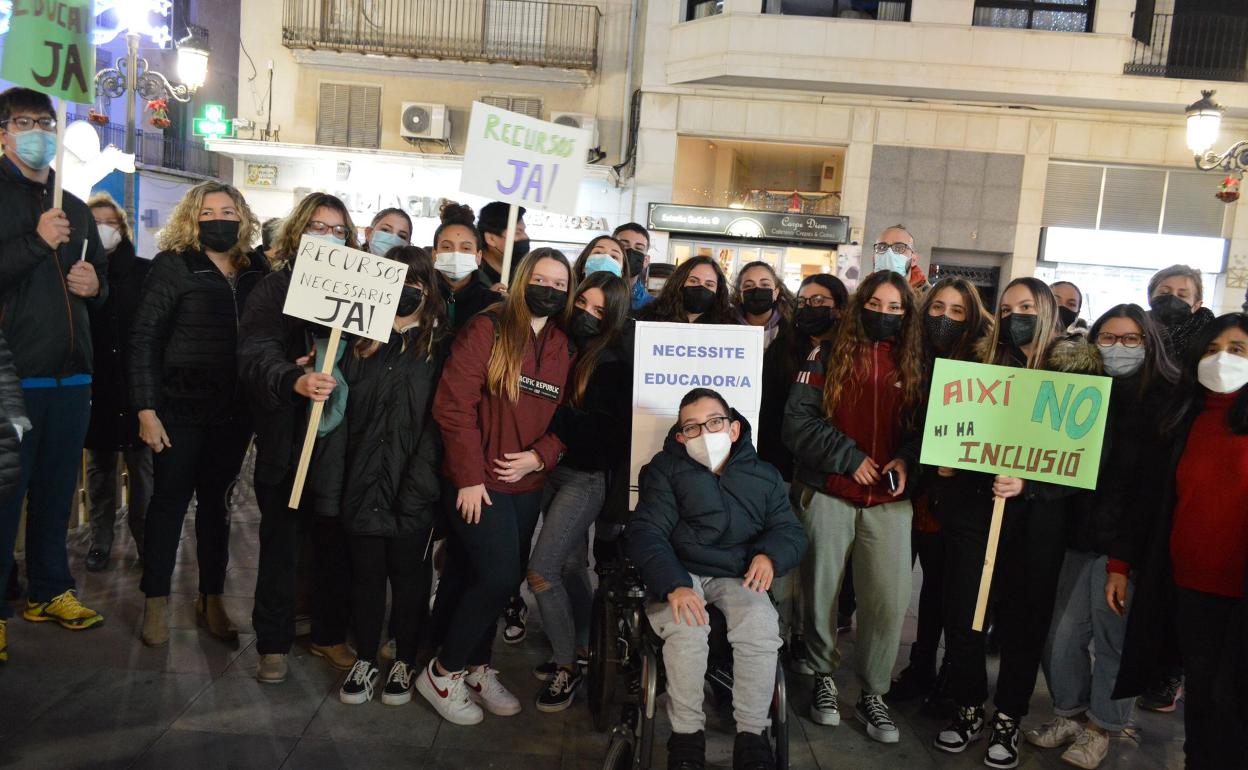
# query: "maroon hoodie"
[479,427]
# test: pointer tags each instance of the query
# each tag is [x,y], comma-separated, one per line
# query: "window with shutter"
[1131,200]
[1072,195]
[1191,208]
[349,116]
[332,111]
[1141,200]
[525,105]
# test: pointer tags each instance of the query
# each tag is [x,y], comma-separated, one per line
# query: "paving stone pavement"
[100,699]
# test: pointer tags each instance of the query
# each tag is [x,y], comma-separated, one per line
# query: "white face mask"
[710,449]
[110,237]
[455,265]
[1223,372]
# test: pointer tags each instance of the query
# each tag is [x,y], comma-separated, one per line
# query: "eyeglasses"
[23,123]
[816,301]
[1131,340]
[713,425]
[320,228]
[896,248]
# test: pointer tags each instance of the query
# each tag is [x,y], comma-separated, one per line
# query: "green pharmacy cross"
[213,124]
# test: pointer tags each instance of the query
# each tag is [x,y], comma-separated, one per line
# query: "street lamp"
[132,77]
[1204,119]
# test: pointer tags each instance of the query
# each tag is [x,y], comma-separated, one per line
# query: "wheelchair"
[625,674]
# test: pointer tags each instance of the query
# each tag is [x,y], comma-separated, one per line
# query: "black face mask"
[545,301]
[813,321]
[409,300]
[1067,316]
[758,301]
[880,326]
[942,332]
[696,299]
[219,235]
[636,262]
[583,326]
[519,250]
[1021,328]
[1170,309]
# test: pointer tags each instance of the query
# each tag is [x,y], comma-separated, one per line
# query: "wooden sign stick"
[990,561]
[60,154]
[314,422]
[513,215]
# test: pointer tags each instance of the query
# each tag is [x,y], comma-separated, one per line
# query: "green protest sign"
[48,48]
[1025,423]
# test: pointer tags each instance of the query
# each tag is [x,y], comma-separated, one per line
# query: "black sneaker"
[686,751]
[823,706]
[967,725]
[914,682]
[546,671]
[872,712]
[97,559]
[751,751]
[558,693]
[514,617]
[359,684]
[398,689]
[1163,695]
[1003,743]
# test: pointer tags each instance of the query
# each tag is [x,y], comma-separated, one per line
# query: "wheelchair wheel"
[649,704]
[602,661]
[619,753]
[780,720]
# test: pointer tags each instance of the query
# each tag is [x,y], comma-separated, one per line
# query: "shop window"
[349,116]
[760,176]
[880,10]
[1055,15]
[525,105]
[700,9]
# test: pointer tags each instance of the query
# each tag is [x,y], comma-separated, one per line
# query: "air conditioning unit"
[578,120]
[425,121]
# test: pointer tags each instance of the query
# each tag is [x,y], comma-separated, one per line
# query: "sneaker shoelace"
[359,676]
[825,693]
[66,605]
[562,683]
[1003,729]
[401,674]
[877,712]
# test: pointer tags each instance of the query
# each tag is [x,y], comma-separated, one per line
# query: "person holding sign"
[1029,555]
[274,352]
[457,245]
[47,288]
[502,384]
[390,229]
[697,292]
[184,387]
[492,223]
[852,423]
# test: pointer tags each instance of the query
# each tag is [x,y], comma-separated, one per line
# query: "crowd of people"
[501,401]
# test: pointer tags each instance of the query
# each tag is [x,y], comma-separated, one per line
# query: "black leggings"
[1212,707]
[928,548]
[374,560]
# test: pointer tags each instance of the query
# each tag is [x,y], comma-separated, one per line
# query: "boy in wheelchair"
[713,525]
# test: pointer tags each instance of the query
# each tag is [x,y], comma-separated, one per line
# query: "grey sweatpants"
[753,632]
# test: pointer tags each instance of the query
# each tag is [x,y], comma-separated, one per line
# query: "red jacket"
[478,427]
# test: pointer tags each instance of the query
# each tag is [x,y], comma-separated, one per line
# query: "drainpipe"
[628,79]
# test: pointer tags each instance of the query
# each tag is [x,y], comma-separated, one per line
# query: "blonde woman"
[185,391]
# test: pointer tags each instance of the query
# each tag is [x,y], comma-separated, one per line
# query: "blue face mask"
[333,239]
[381,242]
[36,148]
[898,263]
[602,263]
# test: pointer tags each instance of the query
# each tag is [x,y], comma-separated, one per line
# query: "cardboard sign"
[345,288]
[48,48]
[522,160]
[671,359]
[1025,423]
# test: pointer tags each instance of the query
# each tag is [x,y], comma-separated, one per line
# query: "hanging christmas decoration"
[160,113]
[1228,190]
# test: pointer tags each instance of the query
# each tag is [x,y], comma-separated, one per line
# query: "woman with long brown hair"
[184,387]
[603,253]
[504,380]
[696,292]
[852,424]
[274,362]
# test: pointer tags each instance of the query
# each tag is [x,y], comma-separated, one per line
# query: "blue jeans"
[1078,681]
[51,458]
[558,572]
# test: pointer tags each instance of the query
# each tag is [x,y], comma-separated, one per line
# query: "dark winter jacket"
[688,520]
[781,362]
[12,410]
[114,424]
[596,436]
[392,452]
[47,327]
[183,356]
[475,296]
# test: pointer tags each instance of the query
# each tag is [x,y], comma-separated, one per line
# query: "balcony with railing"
[521,32]
[1191,46]
[153,149]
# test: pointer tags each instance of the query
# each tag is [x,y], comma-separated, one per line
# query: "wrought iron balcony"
[1191,46]
[154,149]
[528,32]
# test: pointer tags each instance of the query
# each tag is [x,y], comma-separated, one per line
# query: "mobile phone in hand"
[892,479]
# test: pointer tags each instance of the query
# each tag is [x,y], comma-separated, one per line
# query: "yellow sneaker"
[65,610]
[4,642]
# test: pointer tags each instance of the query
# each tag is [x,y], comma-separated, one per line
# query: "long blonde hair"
[511,340]
[1048,327]
[182,231]
[286,242]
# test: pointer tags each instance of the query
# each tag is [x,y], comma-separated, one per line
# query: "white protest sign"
[671,359]
[524,161]
[345,288]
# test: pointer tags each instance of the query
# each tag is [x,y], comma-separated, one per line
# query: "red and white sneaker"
[448,695]
[484,688]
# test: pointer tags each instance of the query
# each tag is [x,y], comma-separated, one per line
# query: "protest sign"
[671,359]
[1025,423]
[523,161]
[348,290]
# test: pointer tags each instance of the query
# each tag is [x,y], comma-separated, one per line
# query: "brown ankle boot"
[156,621]
[210,612]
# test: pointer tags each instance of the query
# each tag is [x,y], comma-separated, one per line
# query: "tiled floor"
[99,699]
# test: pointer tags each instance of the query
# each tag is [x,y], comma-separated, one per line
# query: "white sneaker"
[484,688]
[1088,751]
[1050,735]
[448,695]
